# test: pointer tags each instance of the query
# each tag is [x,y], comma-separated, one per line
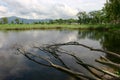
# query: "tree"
[0,22]
[82,16]
[36,22]
[51,22]
[17,21]
[91,17]
[70,21]
[59,21]
[22,22]
[96,16]
[112,10]
[12,22]
[4,20]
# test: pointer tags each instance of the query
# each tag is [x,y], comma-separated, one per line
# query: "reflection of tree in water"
[94,35]
[109,40]
[112,43]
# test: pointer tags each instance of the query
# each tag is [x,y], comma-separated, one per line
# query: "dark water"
[17,67]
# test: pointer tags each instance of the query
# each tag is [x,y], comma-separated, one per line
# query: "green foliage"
[4,20]
[92,17]
[0,22]
[82,17]
[12,22]
[63,21]
[56,26]
[110,13]
[17,21]
[112,10]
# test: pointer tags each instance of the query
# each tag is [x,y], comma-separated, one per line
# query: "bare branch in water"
[54,49]
[92,49]
[106,61]
[73,73]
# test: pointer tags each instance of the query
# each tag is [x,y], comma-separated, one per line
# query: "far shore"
[59,26]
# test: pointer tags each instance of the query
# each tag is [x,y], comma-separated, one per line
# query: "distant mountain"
[12,18]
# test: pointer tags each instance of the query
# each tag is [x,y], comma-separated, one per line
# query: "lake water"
[17,67]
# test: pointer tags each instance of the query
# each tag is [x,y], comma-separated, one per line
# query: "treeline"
[5,20]
[109,14]
[92,17]
[58,21]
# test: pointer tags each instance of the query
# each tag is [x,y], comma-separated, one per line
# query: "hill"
[12,18]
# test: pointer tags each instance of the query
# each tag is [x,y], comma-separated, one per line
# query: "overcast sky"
[51,9]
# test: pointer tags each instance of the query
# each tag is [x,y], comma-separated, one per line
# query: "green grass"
[56,26]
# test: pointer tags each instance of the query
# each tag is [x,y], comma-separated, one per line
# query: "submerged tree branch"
[106,61]
[88,65]
[70,72]
[92,49]
[54,49]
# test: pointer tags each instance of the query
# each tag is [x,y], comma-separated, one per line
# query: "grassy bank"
[56,26]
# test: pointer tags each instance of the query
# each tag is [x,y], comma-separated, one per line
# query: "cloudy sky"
[42,9]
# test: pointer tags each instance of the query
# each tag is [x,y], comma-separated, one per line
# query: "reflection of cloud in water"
[13,65]
[10,64]
[31,37]
[2,39]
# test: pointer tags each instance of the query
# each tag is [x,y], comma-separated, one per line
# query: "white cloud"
[3,9]
[62,11]
[47,8]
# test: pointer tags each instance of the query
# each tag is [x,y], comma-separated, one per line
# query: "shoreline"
[58,26]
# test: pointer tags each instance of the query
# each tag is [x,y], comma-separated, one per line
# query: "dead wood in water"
[54,49]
